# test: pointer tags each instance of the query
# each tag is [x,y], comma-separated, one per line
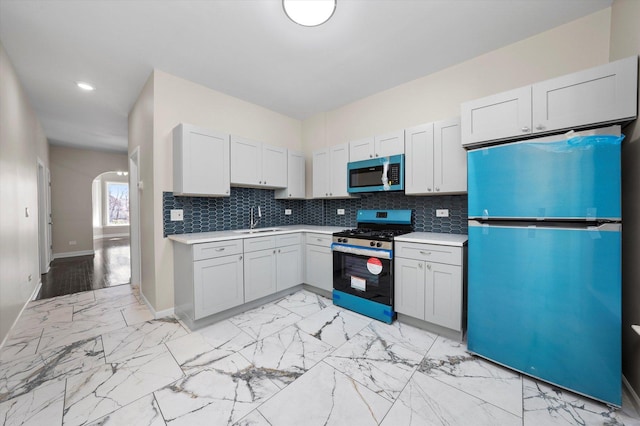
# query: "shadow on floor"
[109,266]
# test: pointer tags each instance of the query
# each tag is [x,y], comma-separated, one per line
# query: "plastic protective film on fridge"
[544,292]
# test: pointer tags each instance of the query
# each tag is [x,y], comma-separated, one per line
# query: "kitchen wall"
[167,100]
[22,143]
[72,173]
[625,42]
[173,101]
[204,214]
[575,46]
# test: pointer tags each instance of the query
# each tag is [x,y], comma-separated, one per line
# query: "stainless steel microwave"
[376,174]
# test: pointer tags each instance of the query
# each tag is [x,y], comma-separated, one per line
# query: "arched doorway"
[111,230]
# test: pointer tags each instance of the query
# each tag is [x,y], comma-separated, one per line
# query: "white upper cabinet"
[200,162]
[362,149]
[597,95]
[500,116]
[330,172]
[295,177]
[257,165]
[435,162]
[604,94]
[378,146]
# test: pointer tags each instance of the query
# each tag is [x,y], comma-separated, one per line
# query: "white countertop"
[457,240]
[207,237]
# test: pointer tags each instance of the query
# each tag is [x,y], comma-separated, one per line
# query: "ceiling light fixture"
[85,86]
[309,13]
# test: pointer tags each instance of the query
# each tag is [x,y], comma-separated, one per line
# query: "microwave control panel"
[394,173]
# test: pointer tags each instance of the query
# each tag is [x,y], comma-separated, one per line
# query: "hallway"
[110,266]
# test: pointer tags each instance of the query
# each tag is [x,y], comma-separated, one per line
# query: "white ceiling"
[245,48]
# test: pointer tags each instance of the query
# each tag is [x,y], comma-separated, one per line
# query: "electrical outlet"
[177,215]
[287,212]
[341,212]
[442,213]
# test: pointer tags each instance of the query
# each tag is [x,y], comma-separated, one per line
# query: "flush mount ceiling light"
[309,13]
[85,86]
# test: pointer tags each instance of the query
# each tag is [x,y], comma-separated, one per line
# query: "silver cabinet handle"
[289,195]
[319,239]
[274,252]
[260,182]
[220,249]
[331,193]
[428,266]
[426,253]
[525,129]
[376,155]
[539,127]
[265,182]
[420,265]
[326,194]
[227,191]
[437,189]
[240,258]
[429,189]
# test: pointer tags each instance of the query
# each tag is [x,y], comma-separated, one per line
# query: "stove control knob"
[378,244]
[342,240]
[372,244]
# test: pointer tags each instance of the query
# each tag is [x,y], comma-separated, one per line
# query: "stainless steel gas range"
[363,262]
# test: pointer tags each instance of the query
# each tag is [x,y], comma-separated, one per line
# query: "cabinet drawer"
[288,239]
[259,243]
[216,249]
[430,253]
[319,239]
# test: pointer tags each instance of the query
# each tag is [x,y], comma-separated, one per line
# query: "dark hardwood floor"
[110,266]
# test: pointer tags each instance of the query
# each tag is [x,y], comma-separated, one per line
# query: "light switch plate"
[176,215]
[341,212]
[287,212]
[442,212]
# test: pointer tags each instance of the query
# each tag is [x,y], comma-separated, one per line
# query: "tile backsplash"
[204,214]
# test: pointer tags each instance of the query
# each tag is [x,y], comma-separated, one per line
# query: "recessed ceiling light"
[85,86]
[309,13]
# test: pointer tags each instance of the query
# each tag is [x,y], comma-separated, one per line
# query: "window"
[117,203]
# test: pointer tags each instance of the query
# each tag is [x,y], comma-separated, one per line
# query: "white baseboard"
[33,296]
[157,314]
[119,235]
[73,254]
[635,399]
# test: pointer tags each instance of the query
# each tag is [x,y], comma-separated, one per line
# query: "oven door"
[366,273]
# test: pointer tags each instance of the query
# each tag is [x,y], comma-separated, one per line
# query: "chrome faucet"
[253,223]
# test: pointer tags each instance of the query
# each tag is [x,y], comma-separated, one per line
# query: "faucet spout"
[253,223]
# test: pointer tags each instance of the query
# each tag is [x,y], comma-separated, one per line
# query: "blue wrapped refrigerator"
[544,278]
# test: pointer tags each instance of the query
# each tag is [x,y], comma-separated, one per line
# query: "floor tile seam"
[475,396]
[360,383]
[153,395]
[397,400]
[184,374]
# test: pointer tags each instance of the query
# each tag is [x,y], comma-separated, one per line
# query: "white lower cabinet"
[218,285]
[208,278]
[429,283]
[272,269]
[319,261]
[259,274]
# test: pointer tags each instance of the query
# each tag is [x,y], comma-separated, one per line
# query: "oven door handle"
[359,251]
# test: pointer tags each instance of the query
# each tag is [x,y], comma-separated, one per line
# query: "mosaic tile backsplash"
[204,214]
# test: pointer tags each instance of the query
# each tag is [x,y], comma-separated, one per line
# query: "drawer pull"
[319,239]
[428,266]
[426,253]
[220,249]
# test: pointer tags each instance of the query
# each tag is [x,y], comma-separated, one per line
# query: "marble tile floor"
[99,358]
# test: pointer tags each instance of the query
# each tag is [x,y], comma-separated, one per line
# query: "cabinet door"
[443,291]
[246,161]
[289,266]
[500,116]
[321,182]
[295,177]
[200,162]
[362,149]
[450,158]
[319,267]
[259,274]
[418,173]
[409,287]
[389,144]
[338,175]
[274,166]
[218,285]
[597,95]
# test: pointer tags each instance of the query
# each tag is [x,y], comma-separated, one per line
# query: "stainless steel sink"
[257,231]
